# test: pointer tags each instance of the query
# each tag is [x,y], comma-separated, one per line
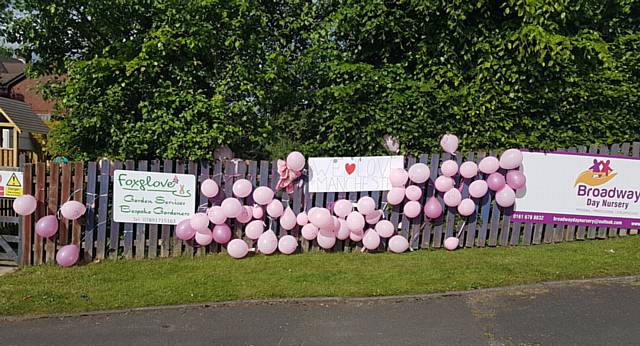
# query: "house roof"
[20,114]
[11,70]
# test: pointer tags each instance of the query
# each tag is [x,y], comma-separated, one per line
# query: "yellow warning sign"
[14,181]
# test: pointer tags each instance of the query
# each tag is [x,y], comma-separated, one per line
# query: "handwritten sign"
[157,198]
[345,174]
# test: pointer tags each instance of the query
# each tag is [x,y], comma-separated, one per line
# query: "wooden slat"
[91,202]
[227,181]
[305,245]
[103,205]
[318,202]
[40,210]
[570,230]
[485,210]
[191,245]
[78,192]
[26,228]
[202,200]
[581,231]
[217,177]
[114,227]
[635,152]
[452,212]
[470,240]
[404,229]
[252,176]
[625,150]
[274,225]
[601,232]
[128,227]
[418,224]
[495,217]
[465,194]
[240,174]
[65,193]
[52,208]
[152,251]
[165,239]
[437,229]
[528,234]
[296,206]
[178,246]
[349,245]
[330,198]
[427,233]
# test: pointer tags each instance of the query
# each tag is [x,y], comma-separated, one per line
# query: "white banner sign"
[157,198]
[11,184]
[579,189]
[346,174]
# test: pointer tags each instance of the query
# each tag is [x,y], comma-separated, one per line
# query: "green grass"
[135,283]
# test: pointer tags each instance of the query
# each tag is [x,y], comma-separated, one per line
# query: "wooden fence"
[100,237]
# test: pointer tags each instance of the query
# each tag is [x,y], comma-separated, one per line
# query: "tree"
[176,79]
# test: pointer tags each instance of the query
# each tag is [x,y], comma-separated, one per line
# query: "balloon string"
[204,205]
[460,232]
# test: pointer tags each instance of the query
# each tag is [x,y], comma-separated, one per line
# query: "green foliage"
[177,79]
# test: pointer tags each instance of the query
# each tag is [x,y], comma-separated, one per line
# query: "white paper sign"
[149,197]
[579,189]
[345,174]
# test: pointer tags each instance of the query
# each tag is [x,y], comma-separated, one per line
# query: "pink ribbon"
[287,177]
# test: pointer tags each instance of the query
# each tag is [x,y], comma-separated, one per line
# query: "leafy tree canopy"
[176,79]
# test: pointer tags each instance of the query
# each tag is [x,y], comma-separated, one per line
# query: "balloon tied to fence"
[459,186]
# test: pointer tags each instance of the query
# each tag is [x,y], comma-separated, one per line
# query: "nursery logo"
[148,183]
[599,173]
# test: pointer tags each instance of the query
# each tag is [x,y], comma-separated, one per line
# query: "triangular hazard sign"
[13,181]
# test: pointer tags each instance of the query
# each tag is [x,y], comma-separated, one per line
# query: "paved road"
[604,312]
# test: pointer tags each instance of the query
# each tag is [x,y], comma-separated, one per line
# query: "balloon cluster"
[491,168]
[325,225]
[47,226]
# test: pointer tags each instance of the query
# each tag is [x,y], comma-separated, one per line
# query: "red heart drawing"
[350,167]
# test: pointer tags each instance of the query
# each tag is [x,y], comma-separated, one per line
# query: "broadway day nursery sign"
[148,197]
[346,174]
[579,189]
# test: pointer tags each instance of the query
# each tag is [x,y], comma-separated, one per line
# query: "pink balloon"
[449,143]
[366,205]
[216,215]
[245,216]
[373,217]
[356,236]
[326,241]
[451,243]
[204,237]
[419,173]
[47,226]
[511,159]
[262,195]
[321,218]
[412,209]
[242,188]
[309,231]
[489,165]
[287,245]
[199,221]
[468,169]
[466,207]
[221,233]
[25,205]
[413,192]
[398,177]
[433,208]
[355,221]
[444,184]
[275,208]
[231,207]
[267,242]
[385,228]
[295,161]
[398,244]
[452,198]
[395,196]
[257,211]
[72,210]
[184,231]
[371,240]
[336,225]
[342,207]
[343,232]
[254,229]
[237,248]
[506,197]
[478,188]
[288,219]
[68,255]
[302,218]
[209,188]
[495,181]
[449,168]
[516,179]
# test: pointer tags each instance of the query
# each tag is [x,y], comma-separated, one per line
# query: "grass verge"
[135,283]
